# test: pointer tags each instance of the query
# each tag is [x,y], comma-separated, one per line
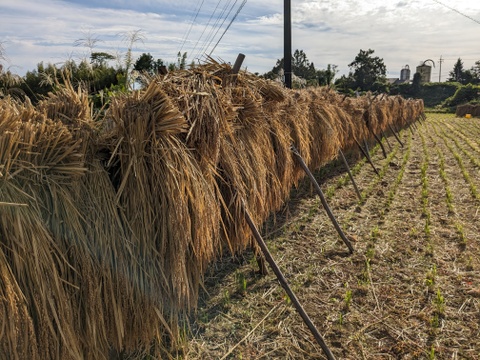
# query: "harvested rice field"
[118,227]
[411,289]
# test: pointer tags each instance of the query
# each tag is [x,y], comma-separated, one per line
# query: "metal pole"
[286,287]
[287,43]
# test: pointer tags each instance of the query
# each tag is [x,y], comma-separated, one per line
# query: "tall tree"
[181,62]
[458,73]
[301,67]
[9,82]
[416,84]
[325,77]
[475,71]
[100,59]
[146,63]
[368,71]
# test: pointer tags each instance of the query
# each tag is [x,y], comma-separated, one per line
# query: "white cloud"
[330,31]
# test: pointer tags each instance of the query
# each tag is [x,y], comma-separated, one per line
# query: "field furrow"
[411,289]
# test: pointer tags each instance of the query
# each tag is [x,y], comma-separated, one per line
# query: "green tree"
[180,64]
[475,71]
[301,67]
[146,63]
[39,82]
[415,88]
[9,82]
[325,77]
[346,85]
[459,74]
[368,72]
[100,59]
[463,95]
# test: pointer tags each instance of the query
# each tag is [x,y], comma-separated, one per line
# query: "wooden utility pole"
[440,72]
[287,43]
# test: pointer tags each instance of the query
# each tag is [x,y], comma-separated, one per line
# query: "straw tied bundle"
[107,225]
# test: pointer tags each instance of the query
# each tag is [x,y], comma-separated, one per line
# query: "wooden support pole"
[367,124]
[410,127]
[283,282]
[238,63]
[236,68]
[322,198]
[367,155]
[350,174]
[367,150]
[395,134]
[388,141]
[380,143]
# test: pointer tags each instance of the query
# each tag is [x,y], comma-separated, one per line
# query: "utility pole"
[440,71]
[287,43]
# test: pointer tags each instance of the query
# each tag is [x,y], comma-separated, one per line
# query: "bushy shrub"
[463,95]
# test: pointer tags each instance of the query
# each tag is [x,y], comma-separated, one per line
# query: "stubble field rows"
[411,289]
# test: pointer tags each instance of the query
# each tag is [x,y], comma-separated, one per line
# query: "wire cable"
[206,26]
[223,22]
[212,32]
[228,27]
[457,11]
[191,25]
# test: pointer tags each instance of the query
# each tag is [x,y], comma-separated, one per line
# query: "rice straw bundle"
[107,225]
[71,107]
[18,340]
[33,156]
[297,119]
[169,206]
[325,130]
[246,162]
[381,115]
[198,94]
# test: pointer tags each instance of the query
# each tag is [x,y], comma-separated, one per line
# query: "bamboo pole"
[388,141]
[286,287]
[322,198]
[367,155]
[395,134]
[410,127]
[350,174]
[380,143]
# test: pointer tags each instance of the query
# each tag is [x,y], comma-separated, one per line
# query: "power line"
[457,11]
[220,26]
[191,25]
[208,39]
[233,19]
[206,26]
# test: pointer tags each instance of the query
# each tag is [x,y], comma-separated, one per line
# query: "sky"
[401,32]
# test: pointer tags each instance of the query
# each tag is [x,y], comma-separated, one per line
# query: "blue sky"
[329,31]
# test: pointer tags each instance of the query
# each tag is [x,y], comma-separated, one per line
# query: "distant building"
[393,81]
[405,74]
[425,71]
[404,77]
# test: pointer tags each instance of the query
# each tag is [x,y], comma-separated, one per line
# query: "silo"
[405,73]
[425,71]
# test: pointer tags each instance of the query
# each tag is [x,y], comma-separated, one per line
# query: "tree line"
[102,79]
